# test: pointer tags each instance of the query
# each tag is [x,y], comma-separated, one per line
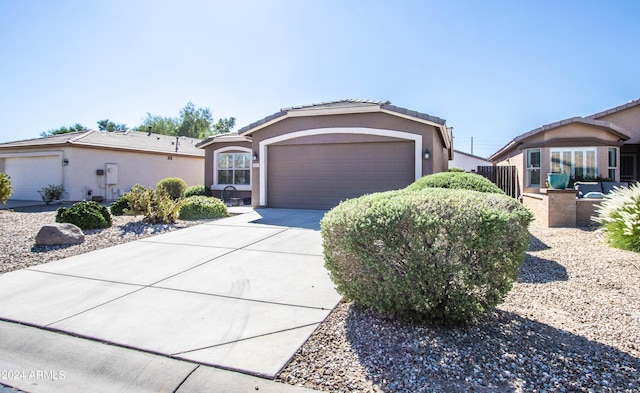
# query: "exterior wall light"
[65,162]
[255,156]
[426,154]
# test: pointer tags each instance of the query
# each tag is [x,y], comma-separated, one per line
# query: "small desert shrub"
[119,206]
[85,215]
[619,214]
[51,193]
[195,190]
[437,256]
[174,186]
[200,207]
[5,187]
[456,169]
[456,180]
[155,205]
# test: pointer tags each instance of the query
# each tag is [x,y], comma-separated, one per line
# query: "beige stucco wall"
[146,169]
[629,119]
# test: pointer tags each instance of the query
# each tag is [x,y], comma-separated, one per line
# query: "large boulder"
[59,234]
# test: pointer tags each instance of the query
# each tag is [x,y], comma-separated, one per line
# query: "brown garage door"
[319,176]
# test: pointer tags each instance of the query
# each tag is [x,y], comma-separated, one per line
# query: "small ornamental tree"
[174,186]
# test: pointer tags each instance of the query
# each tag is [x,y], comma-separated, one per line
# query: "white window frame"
[614,169]
[531,168]
[572,167]
[230,150]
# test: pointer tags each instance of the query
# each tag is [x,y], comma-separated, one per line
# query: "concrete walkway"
[241,293]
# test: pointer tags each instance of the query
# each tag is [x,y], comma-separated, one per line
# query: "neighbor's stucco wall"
[146,169]
[467,162]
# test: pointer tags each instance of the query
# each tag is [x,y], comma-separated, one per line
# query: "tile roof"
[126,140]
[227,137]
[386,105]
[614,129]
[619,108]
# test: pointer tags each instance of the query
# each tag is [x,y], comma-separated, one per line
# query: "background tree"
[193,122]
[64,130]
[224,125]
[109,126]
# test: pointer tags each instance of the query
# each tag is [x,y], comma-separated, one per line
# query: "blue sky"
[492,69]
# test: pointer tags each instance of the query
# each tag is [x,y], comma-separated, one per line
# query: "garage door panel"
[30,174]
[320,176]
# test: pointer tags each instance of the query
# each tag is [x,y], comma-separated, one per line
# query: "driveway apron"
[241,293]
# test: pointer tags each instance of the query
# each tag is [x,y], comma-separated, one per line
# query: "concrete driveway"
[241,293]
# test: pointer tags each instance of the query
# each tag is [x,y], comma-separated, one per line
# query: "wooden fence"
[505,177]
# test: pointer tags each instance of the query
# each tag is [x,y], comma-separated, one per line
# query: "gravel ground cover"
[19,229]
[571,323]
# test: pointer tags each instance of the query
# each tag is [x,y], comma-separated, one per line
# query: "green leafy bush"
[456,169]
[86,215]
[200,207]
[155,205]
[619,214]
[455,180]
[174,186]
[437,256]
[5,187]
[51,193]
[119,206]
[195,190]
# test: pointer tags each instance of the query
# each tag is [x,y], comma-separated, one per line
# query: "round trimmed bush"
[195,190]
[455,180]
[456,169]
[85,215]
[118,207]
[437,256]
[200,207]
[174,186]
[619,214]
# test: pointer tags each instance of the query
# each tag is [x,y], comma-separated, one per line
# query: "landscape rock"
[59,234]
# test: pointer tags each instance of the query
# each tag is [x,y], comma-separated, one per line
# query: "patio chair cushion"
[608,186]
[593,195]
[587,187]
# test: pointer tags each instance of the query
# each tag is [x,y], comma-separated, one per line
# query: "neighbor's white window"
[234,168]
[533,168]
[578,162]
[613,163]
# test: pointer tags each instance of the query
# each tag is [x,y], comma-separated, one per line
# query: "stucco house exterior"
[315,156]
[468,161]
[98,164]
[606,145]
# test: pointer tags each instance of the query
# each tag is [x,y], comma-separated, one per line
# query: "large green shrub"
[119,206]
[438,256]
[456,180]
[5,187]
[195,190]
[200,207]
[174,186]
[619,214]
[155,205]
[86,215]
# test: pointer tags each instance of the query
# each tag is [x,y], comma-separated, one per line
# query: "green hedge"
[200,207]
[455,180]
[438,256]
[195,190]
[86,215]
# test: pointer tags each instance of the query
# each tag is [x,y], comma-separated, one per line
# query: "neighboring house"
[605,145]
[315,156]
[468,162]
[99,164]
